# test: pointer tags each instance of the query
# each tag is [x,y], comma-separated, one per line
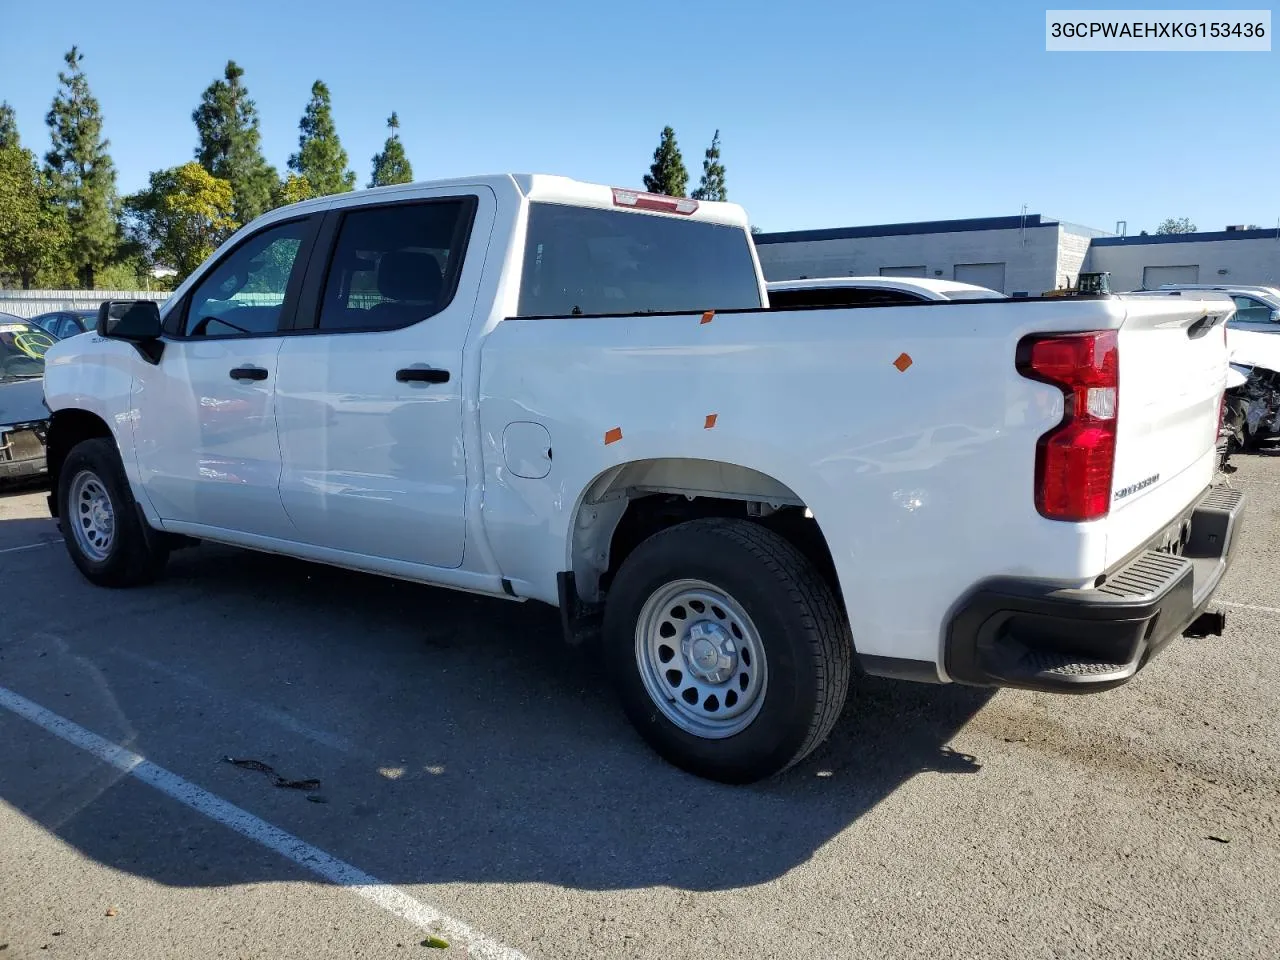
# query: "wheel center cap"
[710,652]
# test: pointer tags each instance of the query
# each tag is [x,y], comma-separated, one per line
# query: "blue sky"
[830,113]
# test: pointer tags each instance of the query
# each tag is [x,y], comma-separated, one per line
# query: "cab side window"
[245,292]
[395,265]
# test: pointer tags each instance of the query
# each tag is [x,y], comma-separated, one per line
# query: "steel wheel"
[93,519]
[701,659]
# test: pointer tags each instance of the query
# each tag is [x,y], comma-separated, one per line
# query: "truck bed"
[906,430]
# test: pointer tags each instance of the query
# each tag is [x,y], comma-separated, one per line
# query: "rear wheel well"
[66,429]
[647,515]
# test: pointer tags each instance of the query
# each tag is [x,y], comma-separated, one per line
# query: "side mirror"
[1275,316]
[136,322]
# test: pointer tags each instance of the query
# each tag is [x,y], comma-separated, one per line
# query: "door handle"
[248,373]
[422,375]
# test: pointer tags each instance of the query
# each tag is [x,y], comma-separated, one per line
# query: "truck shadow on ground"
[472,745]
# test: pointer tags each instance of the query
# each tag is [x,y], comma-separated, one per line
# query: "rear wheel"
[103,530]
[727,648]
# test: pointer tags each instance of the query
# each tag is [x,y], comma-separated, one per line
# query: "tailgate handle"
[1202,326]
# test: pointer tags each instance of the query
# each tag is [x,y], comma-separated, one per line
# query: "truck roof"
[542,187]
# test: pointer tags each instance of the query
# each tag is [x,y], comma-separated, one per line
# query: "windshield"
[22,349]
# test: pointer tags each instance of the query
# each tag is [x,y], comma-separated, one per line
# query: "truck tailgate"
[1173,365]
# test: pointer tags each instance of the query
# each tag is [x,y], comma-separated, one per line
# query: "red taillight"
[653,201]
[1075,460]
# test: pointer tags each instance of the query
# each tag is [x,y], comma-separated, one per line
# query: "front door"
[370,396]
[205,430]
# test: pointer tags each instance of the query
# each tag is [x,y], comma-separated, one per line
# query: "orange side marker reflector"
[706,317]
[612,436]
[711,421]
[902,362]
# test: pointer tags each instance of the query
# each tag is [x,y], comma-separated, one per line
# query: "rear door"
[1172,375]
[371,382]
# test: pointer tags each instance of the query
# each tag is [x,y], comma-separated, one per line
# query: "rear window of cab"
[582,261]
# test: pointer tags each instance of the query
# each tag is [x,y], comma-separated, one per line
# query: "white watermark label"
[1158,30]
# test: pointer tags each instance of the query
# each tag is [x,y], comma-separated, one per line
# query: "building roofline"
[1271,233]
[906,229]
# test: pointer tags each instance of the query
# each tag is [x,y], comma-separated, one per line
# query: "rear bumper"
[1022,633]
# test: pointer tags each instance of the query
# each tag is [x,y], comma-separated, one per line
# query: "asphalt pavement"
[478,782]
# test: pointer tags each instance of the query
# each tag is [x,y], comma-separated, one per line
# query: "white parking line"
[1249,606]
[329,867]
[29,546]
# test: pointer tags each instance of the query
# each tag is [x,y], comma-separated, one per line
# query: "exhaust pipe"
[1211,623]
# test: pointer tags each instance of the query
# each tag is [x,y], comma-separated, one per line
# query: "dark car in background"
[24,419]
[67,323]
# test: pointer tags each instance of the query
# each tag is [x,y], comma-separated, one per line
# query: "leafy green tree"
[81,172]
[320,157]
[231,143]
[755,230]
[132,272]
[1180,225]
[182,216]
[33,233]
[711,186]
[293,189]
[667,174]
[8,126]
[391,165]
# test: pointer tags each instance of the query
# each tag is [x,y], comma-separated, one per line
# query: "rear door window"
[395,265]
[580,260]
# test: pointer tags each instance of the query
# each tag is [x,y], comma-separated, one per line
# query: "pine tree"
[81,173]
[391,165]
[231,143]
[320,157]
[667,175]
[8,126]
[711,186]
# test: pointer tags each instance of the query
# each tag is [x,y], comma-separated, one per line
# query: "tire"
[767,658]
[101,524]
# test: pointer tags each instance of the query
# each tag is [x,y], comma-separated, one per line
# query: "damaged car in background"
[1251,411]
[24,419]
[1251,401]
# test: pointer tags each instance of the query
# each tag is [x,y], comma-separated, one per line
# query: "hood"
[1250,349]
[22,401]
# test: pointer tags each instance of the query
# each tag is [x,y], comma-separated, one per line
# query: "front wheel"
[104,532]
[728,650]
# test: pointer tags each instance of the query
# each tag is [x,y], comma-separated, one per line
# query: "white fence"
[32,303]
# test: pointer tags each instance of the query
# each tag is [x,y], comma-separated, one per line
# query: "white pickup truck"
[535,388]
